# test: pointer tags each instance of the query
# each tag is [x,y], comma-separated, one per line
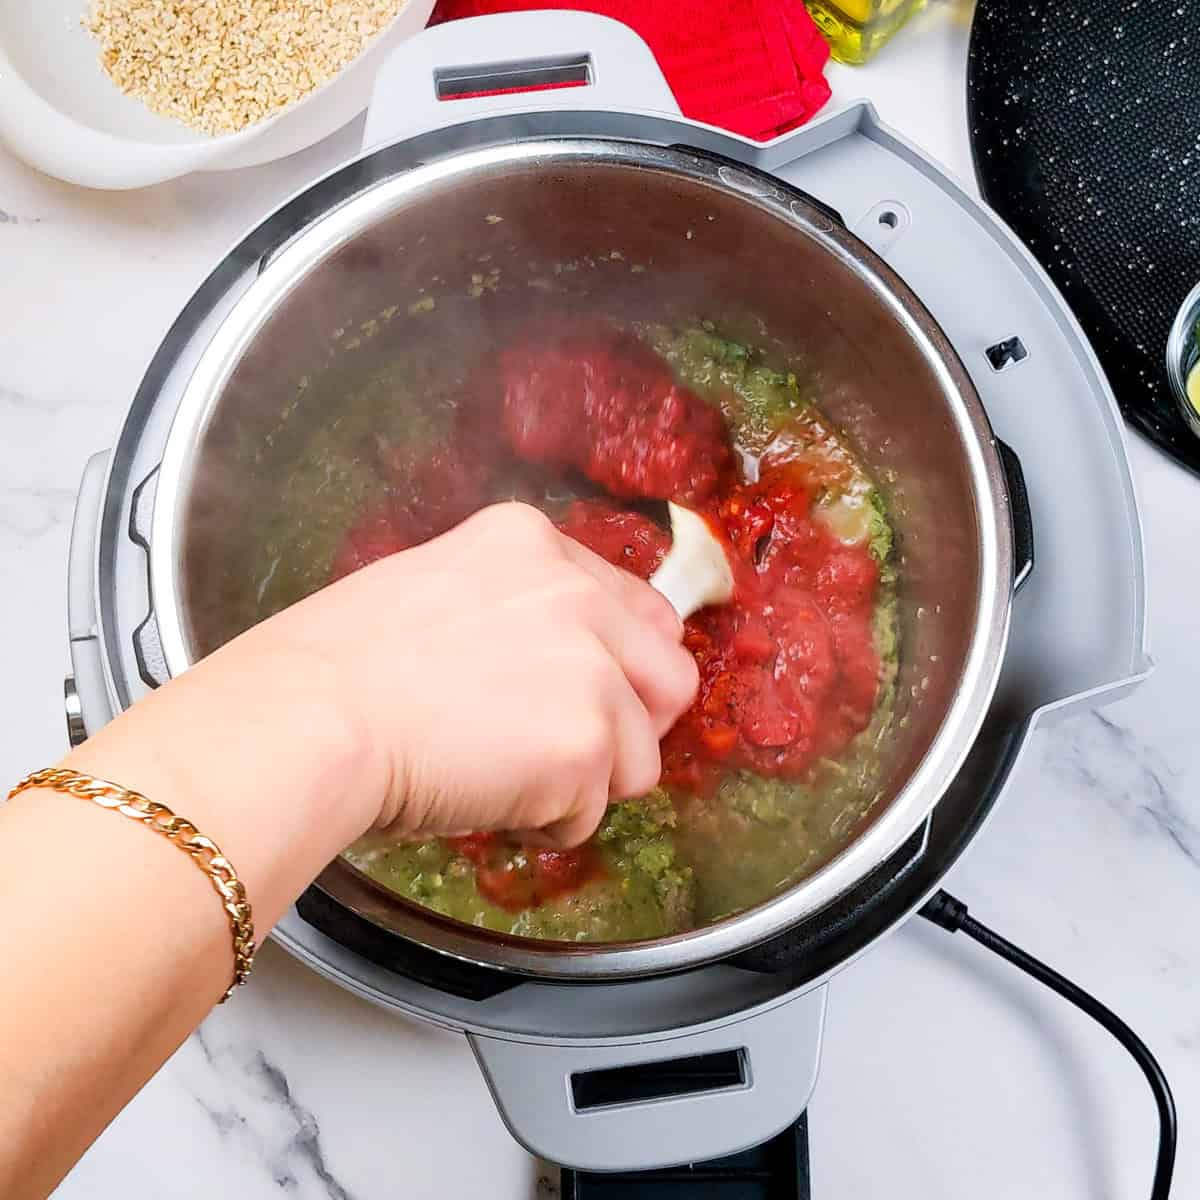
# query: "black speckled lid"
[1085,127]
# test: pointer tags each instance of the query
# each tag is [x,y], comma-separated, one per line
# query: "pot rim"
[288,268]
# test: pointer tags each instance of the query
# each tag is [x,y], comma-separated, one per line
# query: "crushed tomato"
[607,405]
[788,670]
[515,881]
[426,495]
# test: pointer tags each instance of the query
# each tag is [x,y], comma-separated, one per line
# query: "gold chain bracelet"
[203,851]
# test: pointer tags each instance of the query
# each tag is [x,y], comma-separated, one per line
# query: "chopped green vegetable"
[637,834]
[754,398]
[886,633]
[880,535]
[643,818]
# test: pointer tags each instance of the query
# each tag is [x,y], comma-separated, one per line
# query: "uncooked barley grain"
[220,65]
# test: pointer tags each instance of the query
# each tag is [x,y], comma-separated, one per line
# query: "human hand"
[501,677]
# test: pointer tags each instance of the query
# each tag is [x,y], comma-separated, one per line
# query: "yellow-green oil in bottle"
[857,29]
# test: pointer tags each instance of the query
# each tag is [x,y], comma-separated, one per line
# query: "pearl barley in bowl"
[125,93]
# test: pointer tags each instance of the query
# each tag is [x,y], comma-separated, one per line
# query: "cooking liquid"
[739,816]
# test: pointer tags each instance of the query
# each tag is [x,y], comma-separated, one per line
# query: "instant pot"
[999,432]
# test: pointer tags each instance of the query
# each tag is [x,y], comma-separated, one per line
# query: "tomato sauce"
[427,495]
[788,669]
[605,404]
[626,539]
[789,673]
[538,875]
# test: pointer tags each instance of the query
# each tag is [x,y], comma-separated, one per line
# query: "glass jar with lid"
[856,29]
[1183,359]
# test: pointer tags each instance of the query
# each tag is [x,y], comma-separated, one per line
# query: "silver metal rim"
[1178,344]
[288,268]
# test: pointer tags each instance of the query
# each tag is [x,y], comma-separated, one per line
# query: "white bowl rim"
[197,142]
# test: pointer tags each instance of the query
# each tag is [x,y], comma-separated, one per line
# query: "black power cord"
[951,914]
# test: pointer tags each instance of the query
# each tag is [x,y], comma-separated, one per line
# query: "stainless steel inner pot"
[493,238]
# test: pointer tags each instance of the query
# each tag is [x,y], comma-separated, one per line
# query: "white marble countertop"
[945,1073]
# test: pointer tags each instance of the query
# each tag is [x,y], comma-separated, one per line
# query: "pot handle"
[147,646]
[635,1107]
[512,62]
[85,693]
[1020,513]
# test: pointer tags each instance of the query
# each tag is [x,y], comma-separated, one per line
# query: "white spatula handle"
[695,572]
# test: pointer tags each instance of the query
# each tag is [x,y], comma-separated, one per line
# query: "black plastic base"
[385,949]
[776,1170]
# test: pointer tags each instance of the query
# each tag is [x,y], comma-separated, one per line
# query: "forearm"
[139,961]
[499,678]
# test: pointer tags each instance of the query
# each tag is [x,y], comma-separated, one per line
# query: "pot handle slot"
[81,561]
[512,62]
[635,1107]
[86,692]
[1021,514]
[147,645]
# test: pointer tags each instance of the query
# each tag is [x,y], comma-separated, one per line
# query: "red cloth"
[751,66]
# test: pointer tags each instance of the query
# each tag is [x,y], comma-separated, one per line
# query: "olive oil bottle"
[856,29]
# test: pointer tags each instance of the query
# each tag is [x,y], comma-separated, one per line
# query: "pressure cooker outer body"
[1070,645]
[118,576]
[390,275]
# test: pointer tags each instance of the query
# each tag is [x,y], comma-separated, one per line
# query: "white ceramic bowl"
[62,114]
